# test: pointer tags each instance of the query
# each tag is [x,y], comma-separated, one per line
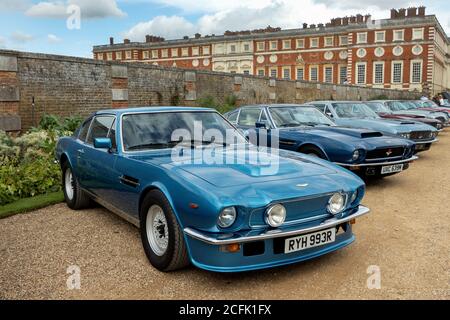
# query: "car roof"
[149,109]
[336,101]
[276,105]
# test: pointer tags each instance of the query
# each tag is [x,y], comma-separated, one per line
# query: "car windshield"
[294,116]
[409,104]
[354,110]
[143,131]
[398,106]
[429,104]
[378,107]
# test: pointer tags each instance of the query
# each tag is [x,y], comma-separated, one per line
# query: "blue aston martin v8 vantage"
[197,197]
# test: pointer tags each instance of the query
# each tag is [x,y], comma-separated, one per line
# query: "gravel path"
[406,236]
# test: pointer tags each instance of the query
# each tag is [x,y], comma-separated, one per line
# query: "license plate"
[392,168]
[309,240]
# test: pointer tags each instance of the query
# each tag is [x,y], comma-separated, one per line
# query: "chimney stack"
[394,14]
[359,18]
[197,36]
[412,12]
[111,40]
[305,25]
[148,38]
[345,21]
[402,13]
[421,11]
[185,37]
[126,41]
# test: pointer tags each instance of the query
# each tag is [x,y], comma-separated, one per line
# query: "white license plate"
[392,168]
[309,240]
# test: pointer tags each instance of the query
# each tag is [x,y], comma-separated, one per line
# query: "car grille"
[301,210]
[385,153]
[421,135]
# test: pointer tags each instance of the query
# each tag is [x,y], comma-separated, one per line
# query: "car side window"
[84,130]
[112,135]
[249,116]
[232,117]
[320,107]
[99,128]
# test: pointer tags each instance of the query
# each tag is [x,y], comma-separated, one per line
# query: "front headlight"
[275,215]
[405,135]
[356,155]
[226,217]
[336,203]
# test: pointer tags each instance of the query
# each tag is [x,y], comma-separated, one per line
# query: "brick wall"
[74,86]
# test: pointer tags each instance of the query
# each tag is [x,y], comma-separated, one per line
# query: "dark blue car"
[304,129]
[200,193]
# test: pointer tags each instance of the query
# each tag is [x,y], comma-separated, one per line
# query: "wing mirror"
[102,143]
[262,125]
[329,114]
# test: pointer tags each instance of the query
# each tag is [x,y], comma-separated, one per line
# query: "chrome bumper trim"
[426,142]
[276,233]
[377,163]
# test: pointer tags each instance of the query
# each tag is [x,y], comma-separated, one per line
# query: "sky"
[72,27]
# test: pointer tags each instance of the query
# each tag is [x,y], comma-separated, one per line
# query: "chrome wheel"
[68,184]
[157,230]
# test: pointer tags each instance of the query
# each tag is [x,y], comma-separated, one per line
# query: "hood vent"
[371,134]
[406,122]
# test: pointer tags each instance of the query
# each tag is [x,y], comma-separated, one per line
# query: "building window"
[416,71]
[232,48]
[205,50]
[417,34]
[314,74]
[184,52]
[361,37]
[260,46]
[195,51]
[286,44]
[154,54]
[287,73]
[246,72]
[399,35]
[174,52]
[314,42]
[343,40]
[300,73]
[128,55]
[261,72]
[109,56]
[328,74]
[300,43]
[119,55]
[380,36]
[361,73]
[378,72]
[246,47]
[99,56]
[165,53]
[343,75]
[145,55]
[273,72]
[329,41]
[397,71]
[273,45]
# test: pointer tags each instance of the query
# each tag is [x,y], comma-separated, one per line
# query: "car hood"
[342,132]
[244,166]
[384,125]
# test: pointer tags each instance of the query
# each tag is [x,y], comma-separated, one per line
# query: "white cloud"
[14,5]
[21,37]
[170,27]
[358,4]
[89,9]
[51,38]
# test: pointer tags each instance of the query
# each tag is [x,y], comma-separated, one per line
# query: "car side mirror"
[329,114]
[262,125]
[102,143]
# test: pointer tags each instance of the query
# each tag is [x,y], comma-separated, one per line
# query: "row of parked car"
[373,138]
[148,165]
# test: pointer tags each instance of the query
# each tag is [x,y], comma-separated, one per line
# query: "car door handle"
[80,152]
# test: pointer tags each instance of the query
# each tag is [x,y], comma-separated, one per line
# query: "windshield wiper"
[291,124]
[152,145]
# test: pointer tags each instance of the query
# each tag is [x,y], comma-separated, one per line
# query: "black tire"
[313,151]
[80,199]
[176,255]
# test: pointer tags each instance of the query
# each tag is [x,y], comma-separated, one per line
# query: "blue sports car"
[200,193]
[305,129]
[356,114]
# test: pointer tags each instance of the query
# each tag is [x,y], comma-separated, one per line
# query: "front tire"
[73,195]
[161,235]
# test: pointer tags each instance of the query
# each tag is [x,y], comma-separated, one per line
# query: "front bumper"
[207,252]
[376,164]
[426,142]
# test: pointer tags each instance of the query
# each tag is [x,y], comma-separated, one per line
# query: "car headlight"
[226,217]
[336,203]
[405,135]
[356,155]
[275,215]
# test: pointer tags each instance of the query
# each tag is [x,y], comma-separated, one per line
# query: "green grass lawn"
[29,204]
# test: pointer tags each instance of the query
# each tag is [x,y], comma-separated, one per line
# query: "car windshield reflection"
[295,116]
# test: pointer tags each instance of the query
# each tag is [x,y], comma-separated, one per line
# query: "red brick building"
[409,51]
